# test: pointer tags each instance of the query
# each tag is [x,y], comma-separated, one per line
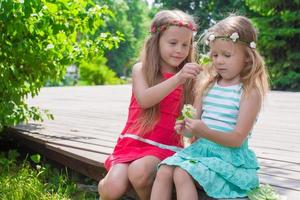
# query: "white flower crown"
[234,37]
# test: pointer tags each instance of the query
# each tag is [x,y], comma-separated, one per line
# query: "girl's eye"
[227,55]
[173,43]
[185,45]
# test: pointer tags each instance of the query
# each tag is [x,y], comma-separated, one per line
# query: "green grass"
[26,181]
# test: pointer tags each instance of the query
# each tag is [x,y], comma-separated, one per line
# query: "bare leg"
[141,174]
[115,184]
[185,186]
[163,185]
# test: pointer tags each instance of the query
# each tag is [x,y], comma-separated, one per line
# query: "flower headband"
[234,37]
[161,28]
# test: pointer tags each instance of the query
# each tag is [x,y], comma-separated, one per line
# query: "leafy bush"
[278,23]
[96,72]
[37,40]
[132,21]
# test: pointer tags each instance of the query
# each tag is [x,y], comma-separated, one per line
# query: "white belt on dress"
[162,146]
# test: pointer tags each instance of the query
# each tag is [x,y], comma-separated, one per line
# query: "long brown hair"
[150,58]
[254,74]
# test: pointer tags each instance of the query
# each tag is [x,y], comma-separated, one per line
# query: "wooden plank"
[93,169]
[91,154]
[279,172]
[277,155]
[287,194]
[92,158]
[276,142]
[279,164]
[73,146]
[280,182]
[70,134]
[84,146]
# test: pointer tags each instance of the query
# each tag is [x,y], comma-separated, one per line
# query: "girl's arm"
[249,108]
[198,105]
[149,96]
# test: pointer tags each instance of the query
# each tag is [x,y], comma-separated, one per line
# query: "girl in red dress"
[162,83]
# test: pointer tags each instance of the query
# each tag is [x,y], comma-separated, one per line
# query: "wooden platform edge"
[87,169]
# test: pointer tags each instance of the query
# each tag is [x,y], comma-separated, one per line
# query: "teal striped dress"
[223,172]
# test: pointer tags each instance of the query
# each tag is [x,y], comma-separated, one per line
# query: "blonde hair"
[150,59]
[254,74]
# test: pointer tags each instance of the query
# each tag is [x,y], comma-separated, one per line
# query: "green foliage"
[96,72]
[206,12]
[279,27]
[132,20]
[21,181]
[37,40]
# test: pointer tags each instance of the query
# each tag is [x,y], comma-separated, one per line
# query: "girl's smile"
[174,47]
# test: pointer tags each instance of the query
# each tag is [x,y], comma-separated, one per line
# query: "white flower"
[188,111]
[234,36]
[207,42]
[88,43]
[49,46]
[77,49]
[212,37]
[252,45]
[21,1]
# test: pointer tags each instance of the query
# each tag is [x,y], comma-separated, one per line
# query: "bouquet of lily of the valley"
[263,192]
[188,111]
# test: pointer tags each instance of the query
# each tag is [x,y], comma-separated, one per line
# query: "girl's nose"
[179,49]
[219,60]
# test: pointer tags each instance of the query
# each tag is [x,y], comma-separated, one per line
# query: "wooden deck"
[89,119]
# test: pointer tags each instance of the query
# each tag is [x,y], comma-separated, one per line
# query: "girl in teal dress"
[229,98]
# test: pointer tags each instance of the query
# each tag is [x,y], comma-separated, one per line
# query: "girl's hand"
[195,126]
[189,71]
[179,126]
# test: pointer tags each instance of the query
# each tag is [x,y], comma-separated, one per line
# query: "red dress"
[161,142]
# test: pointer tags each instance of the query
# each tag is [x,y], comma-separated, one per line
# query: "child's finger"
[179,122]
[188,123]
[188,120]
[196,67]
[177,126]
[195,70]
[178,129]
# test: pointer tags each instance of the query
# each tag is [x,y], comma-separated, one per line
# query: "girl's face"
[174,47]
[229,59]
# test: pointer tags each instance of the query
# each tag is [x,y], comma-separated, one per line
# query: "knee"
[111,189]
[140,176]
[164,174]
[180,175]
